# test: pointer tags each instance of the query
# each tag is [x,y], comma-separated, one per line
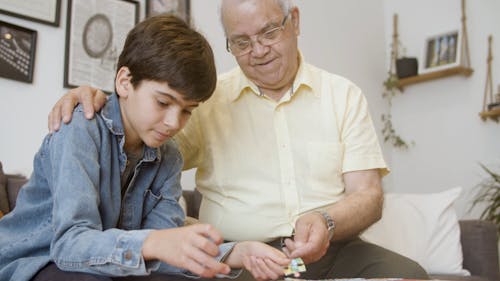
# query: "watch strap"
[330,224]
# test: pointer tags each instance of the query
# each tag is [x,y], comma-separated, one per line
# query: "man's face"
[269,67]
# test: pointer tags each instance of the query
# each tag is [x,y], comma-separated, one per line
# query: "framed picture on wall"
[17,52]
[179,8]
[441,51]
[95,33]
[42,11]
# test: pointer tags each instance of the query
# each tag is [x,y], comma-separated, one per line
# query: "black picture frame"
[94,40]
[42,11]
[17,52]
[180,8]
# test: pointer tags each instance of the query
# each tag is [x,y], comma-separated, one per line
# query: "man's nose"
[258,49]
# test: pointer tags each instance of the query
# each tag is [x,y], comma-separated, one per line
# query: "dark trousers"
[359,259]
[348,259]
[351,259]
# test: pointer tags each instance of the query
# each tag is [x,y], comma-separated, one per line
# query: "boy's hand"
[191,247]
[261,260]
[92,100]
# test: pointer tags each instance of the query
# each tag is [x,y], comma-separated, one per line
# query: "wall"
[441,116]
[351,45]
[342,36]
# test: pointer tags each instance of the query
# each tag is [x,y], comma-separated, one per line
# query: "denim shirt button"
[128,255]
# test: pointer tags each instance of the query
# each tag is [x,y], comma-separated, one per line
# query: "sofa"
[9,187]
[478,238]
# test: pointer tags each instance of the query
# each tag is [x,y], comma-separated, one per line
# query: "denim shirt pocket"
[150,201]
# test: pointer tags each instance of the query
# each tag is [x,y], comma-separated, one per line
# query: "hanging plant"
[391,89]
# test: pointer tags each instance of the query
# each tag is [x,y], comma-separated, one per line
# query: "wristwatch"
[330,224]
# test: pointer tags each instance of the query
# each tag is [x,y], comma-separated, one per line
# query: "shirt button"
[128,255]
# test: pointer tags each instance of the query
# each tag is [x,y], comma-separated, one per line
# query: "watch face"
[97,35]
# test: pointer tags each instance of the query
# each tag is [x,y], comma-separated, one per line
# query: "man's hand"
[261,260]
[92,100]
[191,247]
[363,188]
[310,241]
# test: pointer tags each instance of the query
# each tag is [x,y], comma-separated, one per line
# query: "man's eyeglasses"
[244,45]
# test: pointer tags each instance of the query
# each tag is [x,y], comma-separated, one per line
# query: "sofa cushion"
[4,203]
[479,238]
[423,227]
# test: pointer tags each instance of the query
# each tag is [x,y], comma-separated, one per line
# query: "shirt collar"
[111,114]
[304,77]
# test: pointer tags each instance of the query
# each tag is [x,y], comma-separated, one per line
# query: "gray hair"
[285,5]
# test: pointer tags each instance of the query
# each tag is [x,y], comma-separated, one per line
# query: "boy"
[102,200]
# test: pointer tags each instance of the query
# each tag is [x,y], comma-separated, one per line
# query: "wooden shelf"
[493,114]
[458,70]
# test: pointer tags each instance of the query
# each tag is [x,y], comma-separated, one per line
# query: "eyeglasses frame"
[281,26]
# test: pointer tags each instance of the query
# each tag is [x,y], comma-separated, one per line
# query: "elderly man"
[286,153]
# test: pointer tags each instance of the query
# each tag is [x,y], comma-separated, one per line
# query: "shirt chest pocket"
[325,164]
[150,201]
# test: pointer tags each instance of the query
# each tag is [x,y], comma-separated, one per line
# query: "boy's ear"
[122,82]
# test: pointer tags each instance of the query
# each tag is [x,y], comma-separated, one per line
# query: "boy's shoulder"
[79,121]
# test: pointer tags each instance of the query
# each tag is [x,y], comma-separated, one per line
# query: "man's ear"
[123,84]
[295,20]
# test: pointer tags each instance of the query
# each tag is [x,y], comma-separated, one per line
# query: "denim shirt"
[71,211]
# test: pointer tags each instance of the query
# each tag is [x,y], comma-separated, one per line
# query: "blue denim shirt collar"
[111,114]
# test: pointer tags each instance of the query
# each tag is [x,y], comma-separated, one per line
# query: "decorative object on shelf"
[463,57]
[441,52]
[42,11]
[17,52]
[489,195]
[179,8]
[406,67]
[491,105]
[95,33]
[391,89]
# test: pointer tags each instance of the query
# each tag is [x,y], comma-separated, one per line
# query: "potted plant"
[489,195]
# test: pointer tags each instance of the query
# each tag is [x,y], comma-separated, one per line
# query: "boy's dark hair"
[164,48]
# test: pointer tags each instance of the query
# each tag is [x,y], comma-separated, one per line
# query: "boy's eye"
[162,103]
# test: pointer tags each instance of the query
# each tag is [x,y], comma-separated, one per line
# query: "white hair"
[285,5]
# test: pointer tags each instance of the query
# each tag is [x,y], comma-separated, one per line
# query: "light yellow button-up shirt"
[261,163]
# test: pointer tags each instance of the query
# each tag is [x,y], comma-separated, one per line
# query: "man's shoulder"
[319,78]
[229,75]
[227,84]
[229,79]
[334,77]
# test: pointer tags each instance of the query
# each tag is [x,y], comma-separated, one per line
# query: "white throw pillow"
[422,227]
[183,204]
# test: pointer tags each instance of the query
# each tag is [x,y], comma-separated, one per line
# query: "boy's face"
[152,112]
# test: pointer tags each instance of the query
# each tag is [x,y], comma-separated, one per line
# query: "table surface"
[359,279]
